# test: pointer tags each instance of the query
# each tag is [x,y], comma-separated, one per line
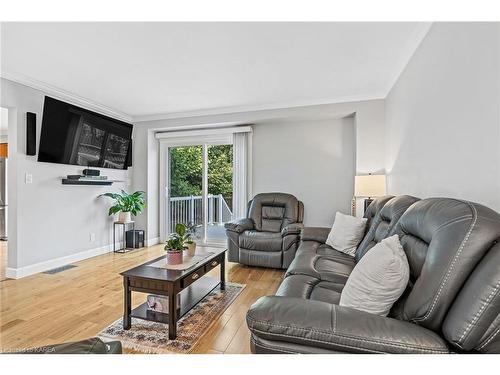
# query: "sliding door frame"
[164,176]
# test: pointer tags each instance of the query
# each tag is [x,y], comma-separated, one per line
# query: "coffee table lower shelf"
[189,297]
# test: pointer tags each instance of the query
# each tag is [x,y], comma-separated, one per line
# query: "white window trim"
[192,138]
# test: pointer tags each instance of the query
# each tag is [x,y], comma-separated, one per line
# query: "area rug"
[152,338]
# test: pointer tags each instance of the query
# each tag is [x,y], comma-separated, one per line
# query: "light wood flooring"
[78,303]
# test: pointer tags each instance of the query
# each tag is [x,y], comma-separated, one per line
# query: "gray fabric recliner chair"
[452,302]
[270,234]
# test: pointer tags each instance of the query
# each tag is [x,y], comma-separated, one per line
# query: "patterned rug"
[152,338]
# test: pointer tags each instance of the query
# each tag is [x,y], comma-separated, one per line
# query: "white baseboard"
[17,273]
[153,241]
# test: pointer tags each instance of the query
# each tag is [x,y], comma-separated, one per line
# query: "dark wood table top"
[155,273]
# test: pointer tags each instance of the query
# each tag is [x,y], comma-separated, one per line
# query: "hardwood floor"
[78,303]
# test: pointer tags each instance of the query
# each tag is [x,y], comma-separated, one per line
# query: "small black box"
[139,238]
[91,172]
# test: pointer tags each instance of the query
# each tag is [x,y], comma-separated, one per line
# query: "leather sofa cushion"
[273,211]
[383,222]
[262,241]
[326,251]
[299,286]
[326,292]
[473,321]
[272,218]
[321,262]
[268,259]
[444,239]
[330,269]
[307,287]
[374,208]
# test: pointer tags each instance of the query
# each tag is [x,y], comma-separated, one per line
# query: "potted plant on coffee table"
[126,204]
[177,242]
[190,233]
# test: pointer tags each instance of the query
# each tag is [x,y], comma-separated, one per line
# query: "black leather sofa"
[452,302]
[269,235]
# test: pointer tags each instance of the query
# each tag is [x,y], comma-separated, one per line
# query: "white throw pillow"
[378,279]
[346,234]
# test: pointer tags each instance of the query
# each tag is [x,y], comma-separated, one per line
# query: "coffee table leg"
[172,314]
[127,307]
[223,272]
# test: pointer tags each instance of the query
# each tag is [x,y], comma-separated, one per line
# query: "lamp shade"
[369,186]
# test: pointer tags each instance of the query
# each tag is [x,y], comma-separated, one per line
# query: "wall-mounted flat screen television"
[74,135]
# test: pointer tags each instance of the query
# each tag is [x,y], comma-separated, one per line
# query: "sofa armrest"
[294,228]
[318,234]
[239,226]
[336,328]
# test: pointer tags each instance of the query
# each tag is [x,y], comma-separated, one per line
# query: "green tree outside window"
[186,164]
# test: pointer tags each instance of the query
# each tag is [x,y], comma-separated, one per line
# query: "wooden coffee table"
[192,285]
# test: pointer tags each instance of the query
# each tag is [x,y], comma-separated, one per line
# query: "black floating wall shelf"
[69,181]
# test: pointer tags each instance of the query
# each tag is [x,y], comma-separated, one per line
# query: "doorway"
[4,153]
[198,177]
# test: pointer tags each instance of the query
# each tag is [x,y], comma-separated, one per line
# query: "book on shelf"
[160,303]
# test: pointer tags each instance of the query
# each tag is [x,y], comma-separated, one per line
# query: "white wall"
[313,160]
[443,116]
[4,125]
[369,132]
[47,220]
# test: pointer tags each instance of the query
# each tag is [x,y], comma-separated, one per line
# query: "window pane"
[186,172]
[220,191]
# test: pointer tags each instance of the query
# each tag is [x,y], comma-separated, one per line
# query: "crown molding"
[255,108]
[59,93]
[416,39]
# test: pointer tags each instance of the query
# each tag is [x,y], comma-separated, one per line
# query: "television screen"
[73,135]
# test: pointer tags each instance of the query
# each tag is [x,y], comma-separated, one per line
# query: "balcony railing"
[190,210]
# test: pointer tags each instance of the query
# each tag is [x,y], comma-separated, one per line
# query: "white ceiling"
[145,69]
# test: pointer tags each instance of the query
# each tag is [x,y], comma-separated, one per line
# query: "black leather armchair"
[269,235]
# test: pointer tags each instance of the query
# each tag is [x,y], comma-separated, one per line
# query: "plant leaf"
[180,229]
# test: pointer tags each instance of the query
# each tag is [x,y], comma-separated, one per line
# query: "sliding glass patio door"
[198,181]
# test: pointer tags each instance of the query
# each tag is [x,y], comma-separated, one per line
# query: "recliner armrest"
[318,234]
[336,328]
[239,226]
[294,228]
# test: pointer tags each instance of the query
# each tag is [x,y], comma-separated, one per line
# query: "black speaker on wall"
[30,133]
